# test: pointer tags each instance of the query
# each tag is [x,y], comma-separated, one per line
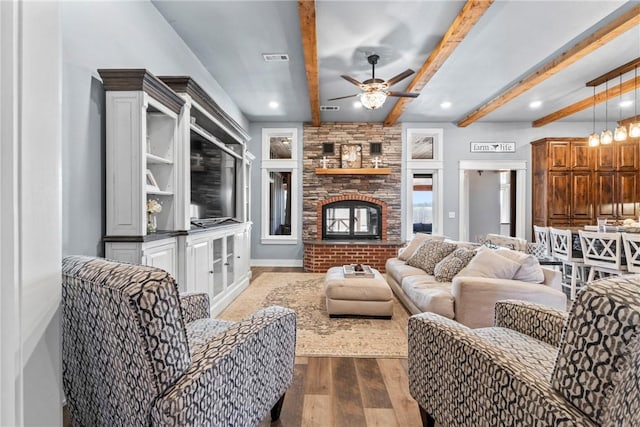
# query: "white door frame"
[520,166]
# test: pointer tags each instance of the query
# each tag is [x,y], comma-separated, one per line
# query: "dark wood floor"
[343,391]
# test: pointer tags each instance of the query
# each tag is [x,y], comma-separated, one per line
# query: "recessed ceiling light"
[273,104]
[357,104]
[627,103]
[445,105]
[535,104]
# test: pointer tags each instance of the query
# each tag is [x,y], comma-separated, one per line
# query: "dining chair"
[561,241]
[542,238]
[631,242]
[602,252]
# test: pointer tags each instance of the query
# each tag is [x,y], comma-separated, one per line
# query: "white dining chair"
[561,242]
[631,243]
[541,235]
[602,253]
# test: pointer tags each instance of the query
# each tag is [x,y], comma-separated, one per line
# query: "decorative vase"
[152,225]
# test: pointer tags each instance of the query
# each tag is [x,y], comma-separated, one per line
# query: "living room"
[54,174]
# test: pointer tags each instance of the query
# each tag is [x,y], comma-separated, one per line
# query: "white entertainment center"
[152,125]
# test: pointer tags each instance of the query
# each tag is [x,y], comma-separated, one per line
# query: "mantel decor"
[354,171]
[351,156]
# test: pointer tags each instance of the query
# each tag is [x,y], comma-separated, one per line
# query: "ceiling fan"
[375,91]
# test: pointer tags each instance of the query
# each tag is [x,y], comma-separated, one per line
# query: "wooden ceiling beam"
[616,72]
[599,38]
[458,30]
[307,13]
[585,103]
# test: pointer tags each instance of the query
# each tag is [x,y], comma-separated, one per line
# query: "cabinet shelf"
[157,160]
[353,171]
[160,192]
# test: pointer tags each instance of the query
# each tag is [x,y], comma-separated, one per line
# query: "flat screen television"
[213,180]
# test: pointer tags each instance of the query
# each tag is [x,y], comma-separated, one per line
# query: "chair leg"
[427,419]
[592,273]
[275,411]
[574,278]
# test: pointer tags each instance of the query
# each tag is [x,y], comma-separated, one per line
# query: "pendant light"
[594,138]
[620,134]
[634,126]
[606,137]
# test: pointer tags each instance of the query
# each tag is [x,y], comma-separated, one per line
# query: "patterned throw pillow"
[415,243]
[451,265]
[429,254]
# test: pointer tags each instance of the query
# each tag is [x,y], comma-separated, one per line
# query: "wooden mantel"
[353,171]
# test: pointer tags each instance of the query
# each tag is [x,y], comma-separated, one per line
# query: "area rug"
[317,333]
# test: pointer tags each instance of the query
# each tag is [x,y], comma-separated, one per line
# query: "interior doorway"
[495,203]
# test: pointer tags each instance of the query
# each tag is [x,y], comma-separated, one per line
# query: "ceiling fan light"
[606,137]
[620,134]
[594,139]
[373,100]
[634,129]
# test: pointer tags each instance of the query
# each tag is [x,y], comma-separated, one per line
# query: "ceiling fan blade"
[403,94]
[403,75]
[351,80]
[343,97]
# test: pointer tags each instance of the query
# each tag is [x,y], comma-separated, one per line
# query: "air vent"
[329,107]
[275,57]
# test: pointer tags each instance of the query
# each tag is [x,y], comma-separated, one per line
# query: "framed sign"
[351,155]
[492,147]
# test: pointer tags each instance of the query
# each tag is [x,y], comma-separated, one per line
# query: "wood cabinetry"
[573,183]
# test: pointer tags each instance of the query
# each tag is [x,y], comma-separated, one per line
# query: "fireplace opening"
[351,220]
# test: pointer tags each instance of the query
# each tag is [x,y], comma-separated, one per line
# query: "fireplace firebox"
[351,220]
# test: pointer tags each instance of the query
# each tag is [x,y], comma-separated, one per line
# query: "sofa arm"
[537,321]
[476,297]
[237,377]
[497,388]
[552,278]
[195,305]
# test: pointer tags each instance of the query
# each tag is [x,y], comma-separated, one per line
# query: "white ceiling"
[511,39]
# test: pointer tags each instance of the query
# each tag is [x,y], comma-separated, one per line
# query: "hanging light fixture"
[606,137]
[594,138]
[374,98]
[634,126]
[620,134]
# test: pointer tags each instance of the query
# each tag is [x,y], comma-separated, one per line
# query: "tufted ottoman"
[361,296]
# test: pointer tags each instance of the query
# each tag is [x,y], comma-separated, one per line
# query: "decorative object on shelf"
[376,162]
[324,162]
[153,207]
[351,156]
[357,270]
[152,185]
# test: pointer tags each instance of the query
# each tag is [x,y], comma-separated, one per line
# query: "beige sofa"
[468,300]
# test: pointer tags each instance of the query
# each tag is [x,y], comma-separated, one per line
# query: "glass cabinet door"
[229,260]
[218,267]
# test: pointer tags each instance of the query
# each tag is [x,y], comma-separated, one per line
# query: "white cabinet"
[158,253]
[217,262]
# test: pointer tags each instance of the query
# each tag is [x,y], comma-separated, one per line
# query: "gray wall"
[484,203]
[109,35]
[285,253]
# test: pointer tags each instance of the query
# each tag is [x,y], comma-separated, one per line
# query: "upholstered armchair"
[135,353]
[536,366]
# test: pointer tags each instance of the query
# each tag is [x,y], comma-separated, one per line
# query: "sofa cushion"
[514,243]
[398,270]
[415,243]
[430,295]
[429,254]
[530,269]
[487,263]
[451,265]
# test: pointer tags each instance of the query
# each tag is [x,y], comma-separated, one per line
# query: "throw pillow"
[415,243]
[529,271]
[487,263]
[451,265]
[429,254]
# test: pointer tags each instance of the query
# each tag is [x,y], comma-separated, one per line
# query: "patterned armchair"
[536,366]
[135,353]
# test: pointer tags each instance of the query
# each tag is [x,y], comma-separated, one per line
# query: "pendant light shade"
[634,126]
[620,134]
[606,137]
[594,138]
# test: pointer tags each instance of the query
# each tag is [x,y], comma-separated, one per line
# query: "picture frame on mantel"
[351,156]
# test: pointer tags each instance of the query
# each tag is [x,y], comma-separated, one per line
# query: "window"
[422,203]
[279,186]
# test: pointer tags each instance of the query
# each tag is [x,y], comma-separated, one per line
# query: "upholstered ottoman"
[362,296]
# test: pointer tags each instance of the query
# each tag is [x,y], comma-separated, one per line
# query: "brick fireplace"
[380,190]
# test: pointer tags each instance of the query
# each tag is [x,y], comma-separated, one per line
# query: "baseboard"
[276,263]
